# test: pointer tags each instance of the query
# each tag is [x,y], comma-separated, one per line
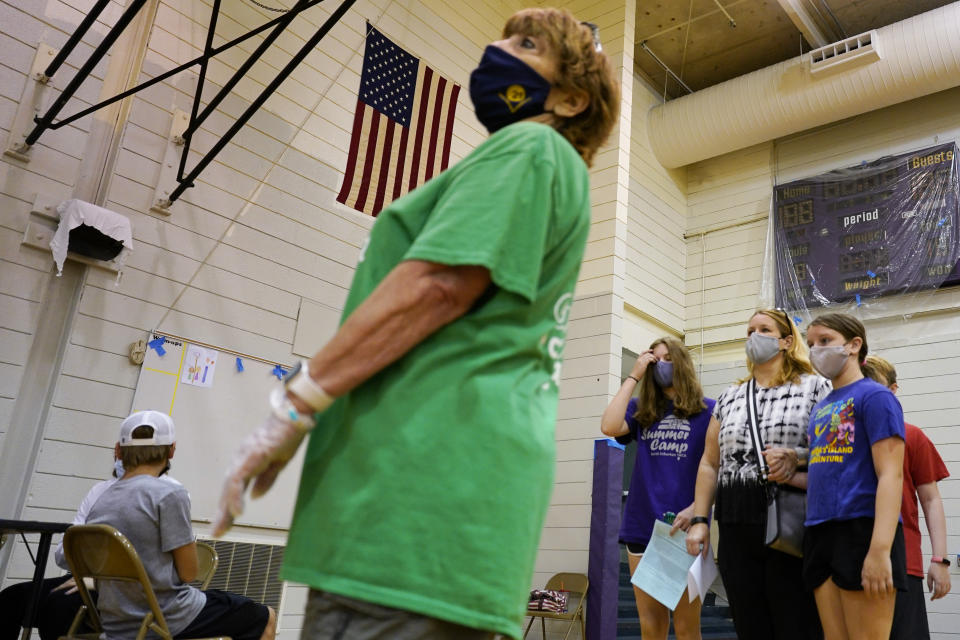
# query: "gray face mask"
[829,361]
[761,348]
[663,373]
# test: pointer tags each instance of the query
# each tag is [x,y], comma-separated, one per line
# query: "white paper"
[664,568]
[701,575]
[74,213]
[199,365]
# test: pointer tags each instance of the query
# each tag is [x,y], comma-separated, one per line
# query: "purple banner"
[880,228]
[603,569]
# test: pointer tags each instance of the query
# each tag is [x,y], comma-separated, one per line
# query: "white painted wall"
[657,204]
[259,237]
[728,199]
[591,367]
[24,273]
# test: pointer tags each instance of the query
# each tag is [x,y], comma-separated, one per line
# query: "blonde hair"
[796,359]
[879,369]
[580,67]
[688,401]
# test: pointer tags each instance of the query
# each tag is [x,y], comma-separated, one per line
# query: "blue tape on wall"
[157,345]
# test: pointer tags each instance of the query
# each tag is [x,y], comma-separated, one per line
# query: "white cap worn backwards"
[163,431]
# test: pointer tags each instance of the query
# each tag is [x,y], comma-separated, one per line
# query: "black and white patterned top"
[784,414]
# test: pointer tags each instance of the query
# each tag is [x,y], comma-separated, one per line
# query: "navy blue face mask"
[505,89]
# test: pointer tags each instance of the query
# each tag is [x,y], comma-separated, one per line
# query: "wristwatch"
[940,560]
[299,383]
[699,520]
[802,454]
[283,408]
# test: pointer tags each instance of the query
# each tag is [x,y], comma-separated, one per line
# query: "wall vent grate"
[251,570]
[863,47]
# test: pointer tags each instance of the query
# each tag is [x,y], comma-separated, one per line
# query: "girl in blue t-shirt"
[854,557]
[669,421]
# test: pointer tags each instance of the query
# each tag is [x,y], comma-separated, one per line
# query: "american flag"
[401,129]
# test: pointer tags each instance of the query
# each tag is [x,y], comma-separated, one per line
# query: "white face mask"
[118,469]
[761,348]
[829,361]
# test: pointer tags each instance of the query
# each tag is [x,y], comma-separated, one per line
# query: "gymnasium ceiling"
[695,39]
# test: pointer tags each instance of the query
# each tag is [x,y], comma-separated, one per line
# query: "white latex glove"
[262,455]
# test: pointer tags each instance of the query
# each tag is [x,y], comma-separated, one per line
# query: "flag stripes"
[387,157]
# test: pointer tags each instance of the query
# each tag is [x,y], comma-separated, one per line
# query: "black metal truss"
[197,117]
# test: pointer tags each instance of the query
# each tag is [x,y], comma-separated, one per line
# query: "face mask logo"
[761,348]
[516,97]
[504,89]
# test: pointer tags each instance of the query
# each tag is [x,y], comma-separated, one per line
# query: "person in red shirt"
[922,469]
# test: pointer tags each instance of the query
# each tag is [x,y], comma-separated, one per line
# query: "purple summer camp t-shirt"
[665,473]
[842,483]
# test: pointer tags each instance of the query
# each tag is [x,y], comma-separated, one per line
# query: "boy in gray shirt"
[155,516]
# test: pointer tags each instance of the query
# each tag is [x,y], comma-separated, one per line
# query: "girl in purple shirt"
[669,422]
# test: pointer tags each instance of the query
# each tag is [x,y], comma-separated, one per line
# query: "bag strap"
[754,415]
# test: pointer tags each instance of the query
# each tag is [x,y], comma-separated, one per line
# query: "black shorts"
[836,549]
[227,614]
[910,613]
[636,548]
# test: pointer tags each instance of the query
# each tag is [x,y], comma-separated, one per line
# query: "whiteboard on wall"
[211,421]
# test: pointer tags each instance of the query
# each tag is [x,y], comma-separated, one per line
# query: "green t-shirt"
[426,488]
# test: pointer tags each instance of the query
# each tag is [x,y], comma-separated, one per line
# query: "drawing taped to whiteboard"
[211,420]
[199,365]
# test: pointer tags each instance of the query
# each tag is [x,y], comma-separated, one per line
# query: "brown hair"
[796,359]
[134,456]
[579,67]
[847,326]
[876,368]
[652,403]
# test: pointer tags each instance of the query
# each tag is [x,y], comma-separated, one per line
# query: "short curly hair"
[579,67]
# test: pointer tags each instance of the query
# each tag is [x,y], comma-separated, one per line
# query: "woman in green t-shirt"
[427,478]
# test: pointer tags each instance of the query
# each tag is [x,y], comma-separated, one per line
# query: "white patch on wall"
[316,325]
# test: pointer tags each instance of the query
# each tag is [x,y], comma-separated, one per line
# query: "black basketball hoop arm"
[197,117]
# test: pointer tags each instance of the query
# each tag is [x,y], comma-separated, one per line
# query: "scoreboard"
[883,227]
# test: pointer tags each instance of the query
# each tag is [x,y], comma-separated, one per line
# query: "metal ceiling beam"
[48,120]
[680,25]
[818,30]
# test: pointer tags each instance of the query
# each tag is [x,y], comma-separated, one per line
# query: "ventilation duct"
[920,56]
[861,48]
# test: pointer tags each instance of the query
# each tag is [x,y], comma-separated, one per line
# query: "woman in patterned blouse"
[763,586]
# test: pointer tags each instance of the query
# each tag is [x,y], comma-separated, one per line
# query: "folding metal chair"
[101,552]
[208,560]
[575,584]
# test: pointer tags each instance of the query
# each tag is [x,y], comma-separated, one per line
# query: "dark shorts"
[333,617]
[836,549]
[910,613]
[635,548]
[227,614]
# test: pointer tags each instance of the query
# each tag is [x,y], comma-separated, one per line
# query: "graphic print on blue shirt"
[665,471]
[836,429]
[842,483]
